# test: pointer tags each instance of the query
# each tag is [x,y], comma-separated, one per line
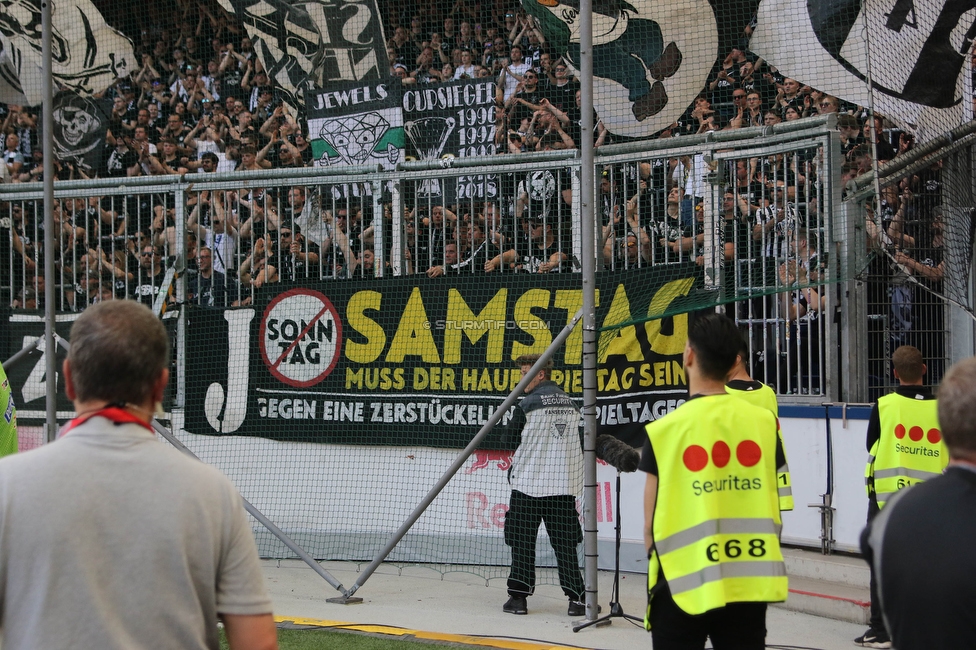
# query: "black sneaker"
[516,605]
[873,639]
[578,608]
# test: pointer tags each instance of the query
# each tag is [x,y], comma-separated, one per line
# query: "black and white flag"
[914,54]
[87,54]
[304,44]
[80,124]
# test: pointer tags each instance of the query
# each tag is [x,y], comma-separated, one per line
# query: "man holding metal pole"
[546,477]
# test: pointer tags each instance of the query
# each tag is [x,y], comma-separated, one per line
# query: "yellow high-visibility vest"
[716,520]
[8,419]
[910,450]
[766,398]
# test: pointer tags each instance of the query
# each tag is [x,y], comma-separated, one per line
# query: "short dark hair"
[956,403]
[716,341]
[907,360]
[211,156]
[119,349]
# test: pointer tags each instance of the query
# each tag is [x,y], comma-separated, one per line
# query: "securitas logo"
[915,434]
[748,453]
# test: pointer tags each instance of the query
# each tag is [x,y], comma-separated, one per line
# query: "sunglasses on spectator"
[826,105]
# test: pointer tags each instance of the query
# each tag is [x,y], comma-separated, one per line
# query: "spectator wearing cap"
[400,71]
[122,161]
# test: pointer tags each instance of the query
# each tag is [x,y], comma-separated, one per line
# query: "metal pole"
[14,360]
[459,461]
[47,140]
[588,267]
[257,514]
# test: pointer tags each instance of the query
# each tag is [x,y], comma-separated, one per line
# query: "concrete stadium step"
[832,586]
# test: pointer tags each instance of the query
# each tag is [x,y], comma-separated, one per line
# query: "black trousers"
[876,621]
[737,626]
[525,515]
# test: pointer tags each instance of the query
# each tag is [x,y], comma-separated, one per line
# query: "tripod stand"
[616,611]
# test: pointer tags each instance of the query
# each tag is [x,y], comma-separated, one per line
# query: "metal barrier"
[758,209]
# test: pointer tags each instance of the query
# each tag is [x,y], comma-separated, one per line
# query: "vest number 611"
[733,549]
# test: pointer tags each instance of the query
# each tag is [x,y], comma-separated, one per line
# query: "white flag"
[87,55]
[913,52]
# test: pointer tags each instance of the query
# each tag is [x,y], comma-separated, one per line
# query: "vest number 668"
[733,548]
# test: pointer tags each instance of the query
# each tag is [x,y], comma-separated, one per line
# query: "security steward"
[741,384]
[905,447]
[711,508]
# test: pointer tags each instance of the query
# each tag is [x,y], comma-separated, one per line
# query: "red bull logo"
[484,457]
[916,433]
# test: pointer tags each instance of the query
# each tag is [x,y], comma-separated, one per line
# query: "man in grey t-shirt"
[111,539]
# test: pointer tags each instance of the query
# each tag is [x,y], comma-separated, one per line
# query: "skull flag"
[80,124]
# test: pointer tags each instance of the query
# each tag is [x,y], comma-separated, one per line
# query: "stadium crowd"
[201,102]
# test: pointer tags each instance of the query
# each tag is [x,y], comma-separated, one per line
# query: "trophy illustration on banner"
[429,136]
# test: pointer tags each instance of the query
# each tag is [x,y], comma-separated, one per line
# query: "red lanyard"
[112,413]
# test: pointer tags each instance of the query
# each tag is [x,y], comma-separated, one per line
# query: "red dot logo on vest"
[747,453]
[916,433]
